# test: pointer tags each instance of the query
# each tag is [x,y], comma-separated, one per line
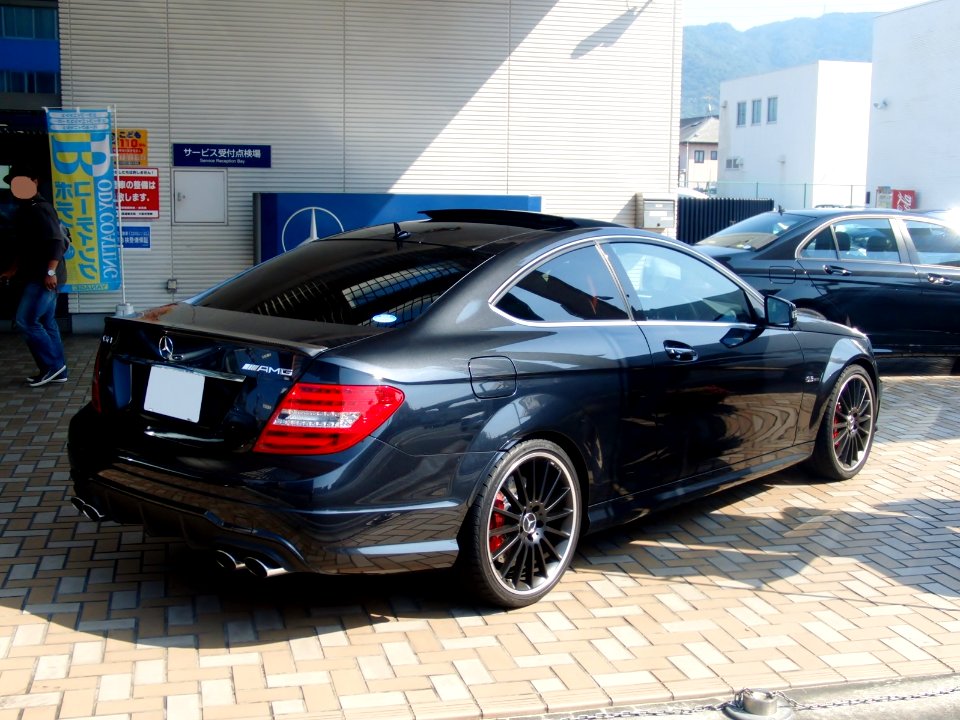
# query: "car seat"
[882,247]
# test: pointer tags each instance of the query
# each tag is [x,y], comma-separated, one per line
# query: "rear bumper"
[369,540]
[376,510]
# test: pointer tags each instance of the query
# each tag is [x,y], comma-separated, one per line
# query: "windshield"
[755,233]
[347,282]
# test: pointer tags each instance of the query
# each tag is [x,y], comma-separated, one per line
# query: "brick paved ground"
[782,584]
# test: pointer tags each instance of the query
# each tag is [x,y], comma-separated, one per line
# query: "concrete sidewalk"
[816,589]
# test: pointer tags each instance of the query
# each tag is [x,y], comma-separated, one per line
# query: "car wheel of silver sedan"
[846,431]
[521,533]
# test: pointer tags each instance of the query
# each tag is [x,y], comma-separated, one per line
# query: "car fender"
[548,416]
[846,352]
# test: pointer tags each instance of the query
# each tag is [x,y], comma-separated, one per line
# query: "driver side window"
[666,284]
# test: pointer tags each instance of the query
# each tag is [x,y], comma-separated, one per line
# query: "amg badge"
[252,367]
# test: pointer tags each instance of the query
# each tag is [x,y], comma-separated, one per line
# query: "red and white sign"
[138,193]
[904,199]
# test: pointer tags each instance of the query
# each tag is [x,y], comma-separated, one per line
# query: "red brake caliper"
[497,521]
[836,416]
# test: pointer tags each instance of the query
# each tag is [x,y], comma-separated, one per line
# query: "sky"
[744,14]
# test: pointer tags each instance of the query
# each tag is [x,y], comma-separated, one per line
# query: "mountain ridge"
[718,52]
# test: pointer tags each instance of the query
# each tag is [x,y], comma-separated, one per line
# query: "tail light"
[318,419]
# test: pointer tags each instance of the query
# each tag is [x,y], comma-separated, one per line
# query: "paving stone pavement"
[787,583]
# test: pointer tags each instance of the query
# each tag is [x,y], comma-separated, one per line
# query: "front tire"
[847,429]
[521,532]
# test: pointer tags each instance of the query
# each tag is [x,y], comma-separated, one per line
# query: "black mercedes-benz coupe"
[475,390]
[895,275]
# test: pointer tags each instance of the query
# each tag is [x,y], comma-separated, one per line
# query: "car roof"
[483,230]
[826,212]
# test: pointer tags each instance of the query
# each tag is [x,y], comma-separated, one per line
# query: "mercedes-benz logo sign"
[165,346]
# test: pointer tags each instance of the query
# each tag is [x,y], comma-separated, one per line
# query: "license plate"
[174,393]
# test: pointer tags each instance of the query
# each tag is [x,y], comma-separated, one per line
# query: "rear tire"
[847,428]
[521,532]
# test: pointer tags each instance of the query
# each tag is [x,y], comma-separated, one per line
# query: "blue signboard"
[285,220]
[220,155]
[135,238]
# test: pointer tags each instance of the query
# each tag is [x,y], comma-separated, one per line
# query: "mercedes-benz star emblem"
[165,346]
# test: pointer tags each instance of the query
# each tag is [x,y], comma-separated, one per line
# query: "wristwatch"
[51,273]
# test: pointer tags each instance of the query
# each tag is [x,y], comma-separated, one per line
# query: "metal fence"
[699,217]
[792,196]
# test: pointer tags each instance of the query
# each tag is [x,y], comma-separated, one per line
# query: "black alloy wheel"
[521,532]
[847,429]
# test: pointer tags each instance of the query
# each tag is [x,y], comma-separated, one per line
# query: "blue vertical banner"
[84,194]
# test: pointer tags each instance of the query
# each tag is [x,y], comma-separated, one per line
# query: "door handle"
[835,270]
[680,352]
[938,280]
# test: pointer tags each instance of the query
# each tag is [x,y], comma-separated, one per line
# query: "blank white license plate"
[174,393]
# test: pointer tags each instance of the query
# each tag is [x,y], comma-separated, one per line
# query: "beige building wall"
[570,100]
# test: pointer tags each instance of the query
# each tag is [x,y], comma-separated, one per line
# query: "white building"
[915,103]
[699,152]
[575,102]
[798,136]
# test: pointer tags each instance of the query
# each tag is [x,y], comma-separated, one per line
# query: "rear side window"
[935,244]
[346,282]
[821,246]
[574,287]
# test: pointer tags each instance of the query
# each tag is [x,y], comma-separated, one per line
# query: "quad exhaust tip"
[261,569]
[87,510]
[228,561]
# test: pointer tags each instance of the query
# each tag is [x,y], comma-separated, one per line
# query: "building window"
[713,154]
[755,108]
[32,23]
[771,109]
[741,114]
[698,156]
[16,81]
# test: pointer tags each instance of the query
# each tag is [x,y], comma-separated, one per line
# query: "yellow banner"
[84,195]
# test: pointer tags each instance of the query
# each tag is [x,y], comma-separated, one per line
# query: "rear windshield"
[347,282]
[756,232]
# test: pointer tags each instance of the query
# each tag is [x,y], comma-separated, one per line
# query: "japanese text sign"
[136,238]
[139,193]
[220,155]
[84,196]
[132,147]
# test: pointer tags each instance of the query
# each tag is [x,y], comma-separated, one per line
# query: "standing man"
[39,263]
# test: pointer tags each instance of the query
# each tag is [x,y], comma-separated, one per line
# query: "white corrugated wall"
[571,100]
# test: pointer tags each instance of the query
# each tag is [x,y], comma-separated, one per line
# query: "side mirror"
[779,312]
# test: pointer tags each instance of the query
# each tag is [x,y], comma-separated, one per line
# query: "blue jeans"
[37,323]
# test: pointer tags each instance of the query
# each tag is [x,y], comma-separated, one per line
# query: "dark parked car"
[477,389]
[893,275]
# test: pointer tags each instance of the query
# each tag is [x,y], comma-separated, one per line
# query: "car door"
[725,388]
[936,252]
[864,274]
[584,348]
